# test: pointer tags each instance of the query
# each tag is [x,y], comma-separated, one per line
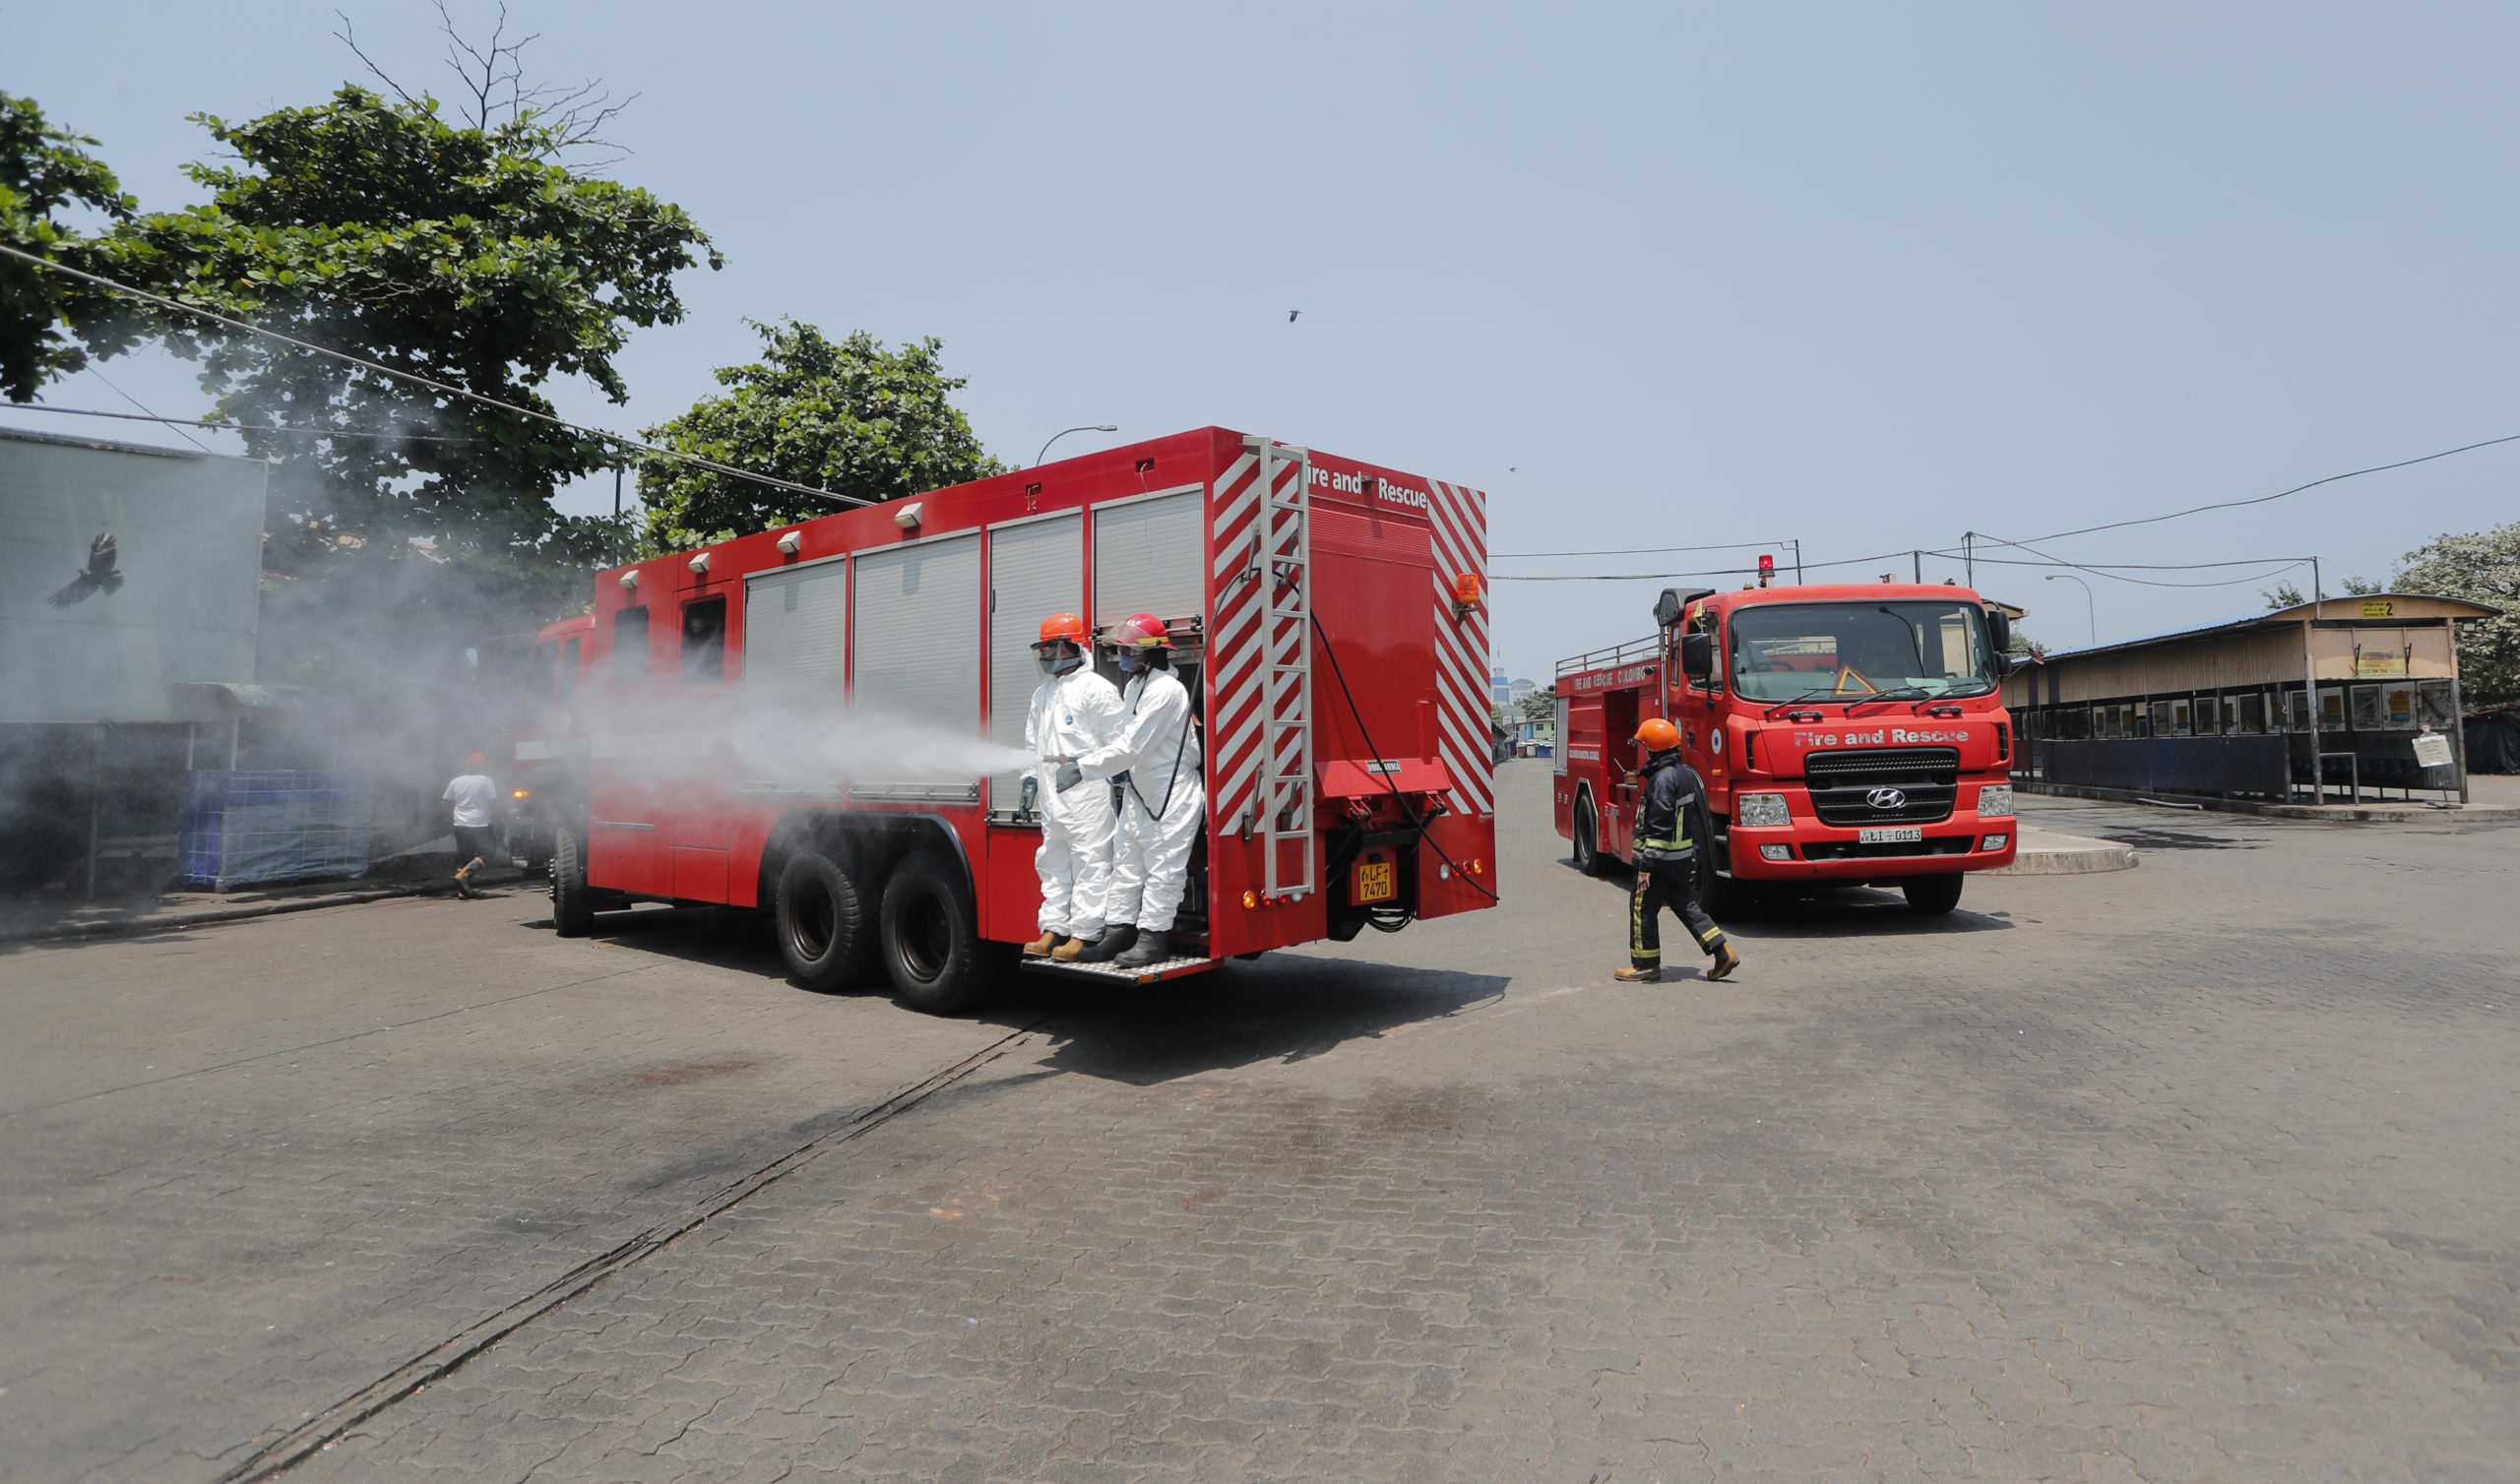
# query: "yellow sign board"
[2368,662]
[2381,608]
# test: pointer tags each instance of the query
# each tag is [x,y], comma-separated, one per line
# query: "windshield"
[1845,652]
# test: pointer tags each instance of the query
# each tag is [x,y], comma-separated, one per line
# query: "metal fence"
[2171,765]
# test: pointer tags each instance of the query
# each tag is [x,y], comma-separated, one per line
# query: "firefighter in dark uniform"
[1671,821]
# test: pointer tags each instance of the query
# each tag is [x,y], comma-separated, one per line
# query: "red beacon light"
[1767,569]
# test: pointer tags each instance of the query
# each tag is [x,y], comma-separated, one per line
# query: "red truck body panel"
[677,808]
[1742,745]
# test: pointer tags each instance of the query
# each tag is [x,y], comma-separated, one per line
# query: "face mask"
[1130,661]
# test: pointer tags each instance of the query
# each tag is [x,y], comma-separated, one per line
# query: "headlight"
[1760,810]
[1994,799]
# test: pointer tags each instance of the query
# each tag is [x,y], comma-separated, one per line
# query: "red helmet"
[1142,631]
[1058,626]
[1657,735]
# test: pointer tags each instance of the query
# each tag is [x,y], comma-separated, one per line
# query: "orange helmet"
[1142,631]
[1058,626]
[1656,735]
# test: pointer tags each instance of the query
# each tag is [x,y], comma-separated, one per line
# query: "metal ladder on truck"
[1283,555]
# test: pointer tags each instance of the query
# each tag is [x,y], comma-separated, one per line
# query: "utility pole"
[1969,556]
[616,492]
[1917,568]
[1796,544]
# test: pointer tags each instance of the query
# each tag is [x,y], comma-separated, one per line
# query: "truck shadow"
[1282,1009]
[1826,912]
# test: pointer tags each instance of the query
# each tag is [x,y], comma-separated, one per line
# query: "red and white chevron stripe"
[1461,646]
[1233,648]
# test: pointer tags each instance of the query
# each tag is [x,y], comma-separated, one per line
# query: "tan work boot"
[463,877]
[1726,961]
[1639,976]
[1067,950]
[1040,948]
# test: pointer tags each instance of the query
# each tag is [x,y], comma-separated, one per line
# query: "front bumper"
[1825,852]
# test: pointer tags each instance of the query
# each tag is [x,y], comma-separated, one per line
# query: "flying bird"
[1291,315]
[98,575]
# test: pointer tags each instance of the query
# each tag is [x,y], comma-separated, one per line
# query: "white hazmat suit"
[1072,714]
[1158,746]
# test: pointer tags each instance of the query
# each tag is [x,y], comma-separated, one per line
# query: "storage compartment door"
[1035,569]
[1147,558]
[796,633]
[917,640]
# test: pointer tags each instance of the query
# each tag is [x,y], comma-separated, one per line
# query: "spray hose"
[1402,799]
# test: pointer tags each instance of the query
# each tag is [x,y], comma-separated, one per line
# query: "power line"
[237,427]
[1498,556]
[2376,468]
[434,384]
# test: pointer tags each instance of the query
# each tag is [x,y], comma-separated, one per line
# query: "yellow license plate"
[1374,881]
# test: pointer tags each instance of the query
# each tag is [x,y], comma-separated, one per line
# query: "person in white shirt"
[1074,712]
[1163,805]
[473,796]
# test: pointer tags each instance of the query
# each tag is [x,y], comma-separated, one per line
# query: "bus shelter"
[2331,700]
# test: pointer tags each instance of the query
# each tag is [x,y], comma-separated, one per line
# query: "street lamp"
[2091,609]
[1097,427]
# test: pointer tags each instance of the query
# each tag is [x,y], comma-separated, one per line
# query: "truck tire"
[931,942]
[1587,844]
[1933,893]
[572,899]
[823,932]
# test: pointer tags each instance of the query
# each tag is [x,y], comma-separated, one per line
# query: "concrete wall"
[189,534]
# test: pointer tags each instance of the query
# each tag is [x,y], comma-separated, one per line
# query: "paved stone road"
[2202,1170]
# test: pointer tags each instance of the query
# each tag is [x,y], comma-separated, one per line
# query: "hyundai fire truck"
[725,741]
[1847,735]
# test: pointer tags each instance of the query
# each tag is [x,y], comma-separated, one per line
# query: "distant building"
[2227,708]
[130,584]
[1499,689]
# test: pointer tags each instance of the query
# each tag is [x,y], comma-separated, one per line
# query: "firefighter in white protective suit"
[1162,804]
[1075,711]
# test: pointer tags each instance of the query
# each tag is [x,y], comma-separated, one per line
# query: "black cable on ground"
[1406,813]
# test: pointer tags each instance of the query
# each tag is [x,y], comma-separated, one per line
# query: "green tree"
[2482,566]
[2287,596]
[43,169]
[465,255]
[848,417]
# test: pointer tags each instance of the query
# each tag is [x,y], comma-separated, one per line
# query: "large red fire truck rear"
[772,722]
[1846,734]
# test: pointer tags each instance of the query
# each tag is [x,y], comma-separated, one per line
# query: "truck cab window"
[541,681]
[704,642]
[630,645]
[568,677]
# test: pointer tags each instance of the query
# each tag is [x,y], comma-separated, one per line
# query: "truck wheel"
[1934,894]
[572,899]
[822,928]
[1588,851]
[933,946]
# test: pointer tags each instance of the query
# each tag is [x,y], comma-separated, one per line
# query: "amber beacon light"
[1466,592]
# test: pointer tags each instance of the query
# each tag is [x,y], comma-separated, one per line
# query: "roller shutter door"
[797,631]
[917,642]
[1147,558]
[1034,569]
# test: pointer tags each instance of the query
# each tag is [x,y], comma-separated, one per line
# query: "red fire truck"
[1846,734]
[1330,626]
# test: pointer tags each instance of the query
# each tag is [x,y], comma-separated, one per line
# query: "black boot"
[1107,948]
[1152,948]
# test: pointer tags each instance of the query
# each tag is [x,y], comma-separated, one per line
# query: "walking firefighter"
[1671,821]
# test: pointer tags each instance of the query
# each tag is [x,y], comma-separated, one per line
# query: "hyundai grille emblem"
[1885,798]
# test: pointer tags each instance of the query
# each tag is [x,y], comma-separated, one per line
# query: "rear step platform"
[1113,974]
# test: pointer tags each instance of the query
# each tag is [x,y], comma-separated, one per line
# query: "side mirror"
[1999,629]
[1697,655]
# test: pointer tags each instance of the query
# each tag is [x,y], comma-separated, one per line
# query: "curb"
[2071,855]
[2474,813]
[141,927]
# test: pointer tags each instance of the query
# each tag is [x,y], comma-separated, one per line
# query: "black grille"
[1826,851]
[1843,783]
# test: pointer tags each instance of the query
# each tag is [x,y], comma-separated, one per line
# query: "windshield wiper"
[1822,694]
[1895,693]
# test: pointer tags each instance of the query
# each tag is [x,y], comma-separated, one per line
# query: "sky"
[1863,276]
